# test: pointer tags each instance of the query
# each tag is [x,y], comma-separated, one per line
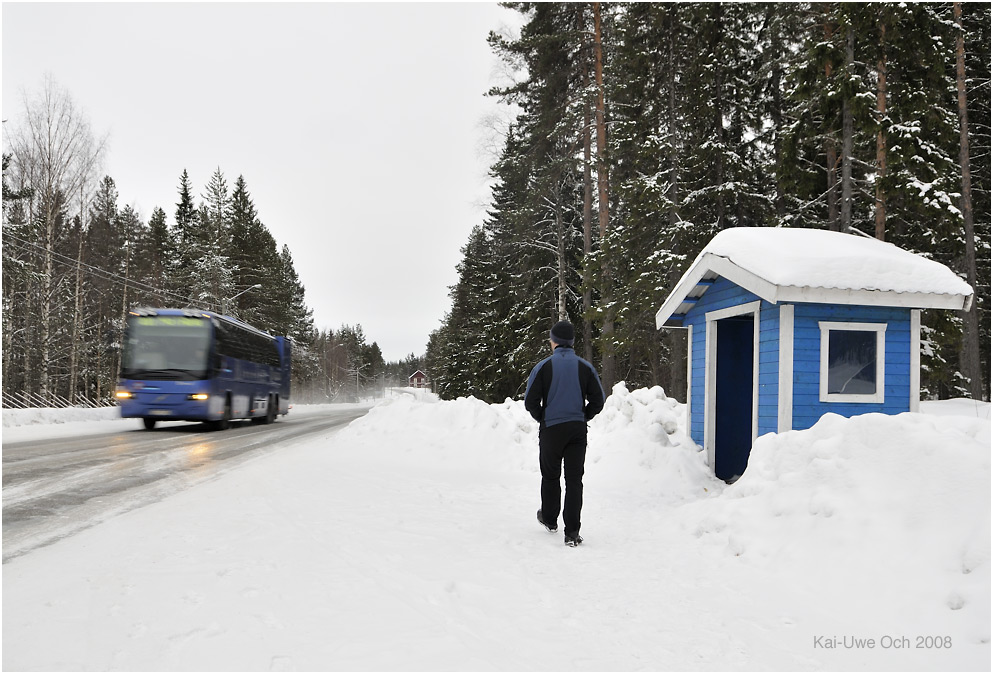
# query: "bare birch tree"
[56,152]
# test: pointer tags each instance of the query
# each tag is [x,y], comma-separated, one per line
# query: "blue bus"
[191,365]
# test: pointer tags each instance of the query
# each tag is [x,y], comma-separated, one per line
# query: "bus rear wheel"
[224,423]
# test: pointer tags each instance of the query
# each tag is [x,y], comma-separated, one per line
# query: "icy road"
[55,487]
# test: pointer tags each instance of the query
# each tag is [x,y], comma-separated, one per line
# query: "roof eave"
[722,266]
[878,298]
[774,294]
[689,280]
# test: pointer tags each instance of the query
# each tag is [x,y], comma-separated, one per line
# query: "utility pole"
[356,371]
[224,303]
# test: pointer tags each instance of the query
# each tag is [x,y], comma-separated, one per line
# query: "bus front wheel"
[149,424]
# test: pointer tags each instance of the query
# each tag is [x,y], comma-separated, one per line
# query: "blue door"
[733,397]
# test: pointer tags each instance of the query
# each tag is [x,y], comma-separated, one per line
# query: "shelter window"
[853,362]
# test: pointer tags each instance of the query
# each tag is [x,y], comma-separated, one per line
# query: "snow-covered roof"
[814,265]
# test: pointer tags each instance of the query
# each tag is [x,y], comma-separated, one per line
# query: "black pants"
[558,444]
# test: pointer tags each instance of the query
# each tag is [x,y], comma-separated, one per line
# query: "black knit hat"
[563,333]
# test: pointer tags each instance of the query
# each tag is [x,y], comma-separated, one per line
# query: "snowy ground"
[407,541]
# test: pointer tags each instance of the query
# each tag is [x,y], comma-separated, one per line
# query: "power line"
[101,273]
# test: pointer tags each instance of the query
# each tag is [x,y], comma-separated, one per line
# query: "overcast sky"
[359,130]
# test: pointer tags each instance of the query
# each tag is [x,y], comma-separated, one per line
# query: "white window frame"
[880,395]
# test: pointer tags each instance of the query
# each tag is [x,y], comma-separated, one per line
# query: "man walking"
[563,393]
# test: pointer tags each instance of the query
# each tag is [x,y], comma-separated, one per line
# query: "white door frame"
[709,402]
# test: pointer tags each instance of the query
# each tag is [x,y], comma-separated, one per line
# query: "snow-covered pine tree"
[535,230]
[185,228]
[134,267]
[975,23]
[646,139]
[255,260]
[19,271]
[969,358]
[295,319]
[159,250]
[216,212]
[811,136]
[105,250]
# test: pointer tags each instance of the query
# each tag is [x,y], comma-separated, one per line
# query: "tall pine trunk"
[675,341]
[830,146]
[969,358]
[831,152]
[776,111]
[587,193]
[847,134]
[607,332]
[881,132]
[563,289]
[718,103]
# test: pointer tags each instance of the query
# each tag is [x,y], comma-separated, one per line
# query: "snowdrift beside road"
[407,541]
[874,523]
[880,522]
[63,415]
[636,431]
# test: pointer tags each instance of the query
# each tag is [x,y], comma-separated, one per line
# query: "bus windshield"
[166,347]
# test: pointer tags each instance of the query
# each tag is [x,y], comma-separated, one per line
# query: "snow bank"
[864,524]
[35,416]
[639,443]
[884,513]
[958,407]
[407,541]
[38,423]
[637,440]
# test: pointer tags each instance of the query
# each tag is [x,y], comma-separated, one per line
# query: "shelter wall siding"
[807,407]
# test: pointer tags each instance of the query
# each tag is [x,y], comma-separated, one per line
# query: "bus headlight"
[123,395]
[197,396]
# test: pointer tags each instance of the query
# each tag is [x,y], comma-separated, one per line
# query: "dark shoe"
[551,529]
[573,541]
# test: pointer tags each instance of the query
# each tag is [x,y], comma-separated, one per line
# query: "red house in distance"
[418,380]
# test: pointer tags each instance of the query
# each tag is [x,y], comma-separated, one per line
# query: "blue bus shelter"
[786,325]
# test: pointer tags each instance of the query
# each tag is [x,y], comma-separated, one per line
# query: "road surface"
[55,488]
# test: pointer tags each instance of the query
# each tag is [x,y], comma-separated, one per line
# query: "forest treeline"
[75,261]
[640,130]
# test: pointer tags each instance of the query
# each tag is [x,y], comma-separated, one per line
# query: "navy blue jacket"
[562,388]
